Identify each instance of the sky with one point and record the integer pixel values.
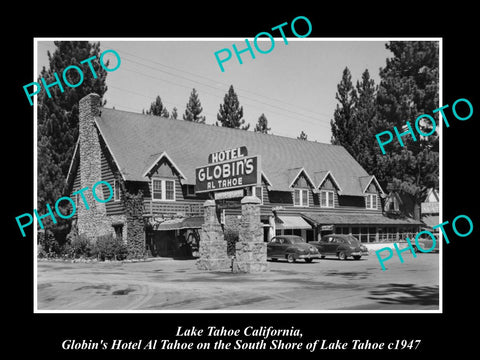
(294, 85)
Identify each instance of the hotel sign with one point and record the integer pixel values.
(236, 172)
(226, 155)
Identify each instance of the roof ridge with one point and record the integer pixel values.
(223, 127)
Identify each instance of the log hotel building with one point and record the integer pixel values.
(307, 188)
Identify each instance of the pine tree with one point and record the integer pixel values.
(194, 109)
(409, 88)
(58, 117)
(156, 107)
(302, 136)
(165, 113)
(262, 125)
(364, 150)
(355, 120)
(174, 113)
(231, 113)
(344, 128)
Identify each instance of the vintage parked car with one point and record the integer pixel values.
(342, 246)
(291, 247)
(424, 241)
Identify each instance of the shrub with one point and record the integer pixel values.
(79, 246)
(48, 244)
(109, 248)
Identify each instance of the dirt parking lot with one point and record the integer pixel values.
(167, 284)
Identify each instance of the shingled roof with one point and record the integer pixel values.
(137, 140)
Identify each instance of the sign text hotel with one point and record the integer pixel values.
(238, 170)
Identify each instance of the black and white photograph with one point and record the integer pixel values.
(202, 180)
(190, 189)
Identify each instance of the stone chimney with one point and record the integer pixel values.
(90, 166)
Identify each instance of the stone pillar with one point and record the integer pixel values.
(213, 247)
(250, 250)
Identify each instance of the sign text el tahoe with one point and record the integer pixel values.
(239, 170)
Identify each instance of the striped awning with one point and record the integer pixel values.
(291, 222)
(194, 222)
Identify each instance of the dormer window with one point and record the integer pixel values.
(300, 197)
(326, 199)
(371, 201)
(163, 190)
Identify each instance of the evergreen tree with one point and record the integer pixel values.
(365, 151)
(58, 117)
(194, 109)
(262, 125)
(156, 107)
(302, 136)
(231, 113)
(355, 120)
(408, 89)
(343, 125)
(165, 113)
(57, 120)
(409, 81)
(174, 113)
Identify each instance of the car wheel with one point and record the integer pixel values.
(322, 256)
(274, 259)
(357, 257)
(290, 258)
(308, 260)
(342, 256)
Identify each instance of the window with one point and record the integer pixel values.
(326, 199)
(300, 197)
(116, 191)
(163, 190)
(169, 190)
(156, 189)
(258, 192)
(190, 190)
(371, 201)
(342, 230)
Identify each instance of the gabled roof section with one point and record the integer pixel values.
(322, 175)
(120, 169)
(298, 172)
(267, 181)
(432, 195)
(162, 156)
(132, 139)
(365, 182)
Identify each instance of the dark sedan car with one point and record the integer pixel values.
(291, 247)
(341, 246)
